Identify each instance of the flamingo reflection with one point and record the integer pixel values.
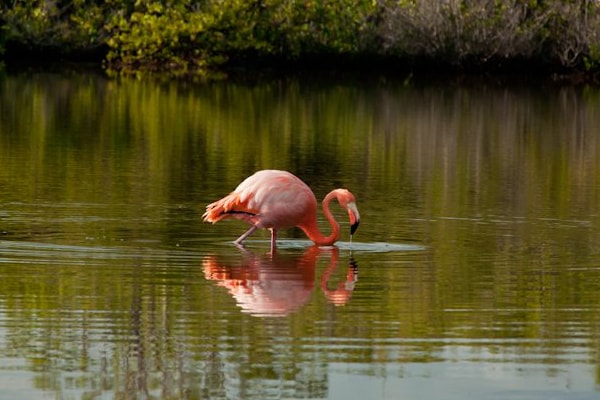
(278, 284)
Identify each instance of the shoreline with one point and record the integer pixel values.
(523, 71)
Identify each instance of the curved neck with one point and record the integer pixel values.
(312, 229)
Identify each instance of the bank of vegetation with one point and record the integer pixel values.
(190, 36)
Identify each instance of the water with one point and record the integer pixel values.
(475, 272)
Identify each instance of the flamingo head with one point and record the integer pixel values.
(348, 201)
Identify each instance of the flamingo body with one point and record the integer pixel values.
(272, 199)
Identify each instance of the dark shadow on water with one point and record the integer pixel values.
(274, 285)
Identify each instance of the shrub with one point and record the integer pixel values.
(573, 30)
(62, 26)
(186, 36)
(191, 36)
(460, 32)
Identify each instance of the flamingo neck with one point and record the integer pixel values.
(312, 230)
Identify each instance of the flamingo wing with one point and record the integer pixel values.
(267, 199)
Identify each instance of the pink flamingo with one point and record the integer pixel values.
(274, 200)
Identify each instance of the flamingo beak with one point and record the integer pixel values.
(354, 217)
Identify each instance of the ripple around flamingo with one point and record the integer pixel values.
(367, 247)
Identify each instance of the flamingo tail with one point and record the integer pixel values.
(230, 206)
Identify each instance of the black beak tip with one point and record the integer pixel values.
(353, 228)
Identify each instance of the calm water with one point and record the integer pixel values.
(475, 272)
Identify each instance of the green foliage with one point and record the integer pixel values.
(2, 40)
(64, 25)
(181, 37)
(327, 26)
(151, 36)
(187, 36)
(2, 34)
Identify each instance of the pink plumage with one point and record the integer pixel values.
(272, 199)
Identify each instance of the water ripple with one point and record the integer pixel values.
(25, 252)
(365, 247)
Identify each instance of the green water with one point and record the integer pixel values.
(475, 272)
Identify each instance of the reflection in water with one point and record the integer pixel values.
(342, 293)
(280, 283)
(100, 187)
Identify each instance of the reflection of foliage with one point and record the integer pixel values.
(228, 131)
(213, 136)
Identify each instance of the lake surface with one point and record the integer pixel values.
(475, 272)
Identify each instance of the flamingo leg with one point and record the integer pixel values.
(245, 235)
(273, 239)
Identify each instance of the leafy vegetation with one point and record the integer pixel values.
(54, 27)
(186, 36)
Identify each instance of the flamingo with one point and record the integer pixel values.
(272, 199)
